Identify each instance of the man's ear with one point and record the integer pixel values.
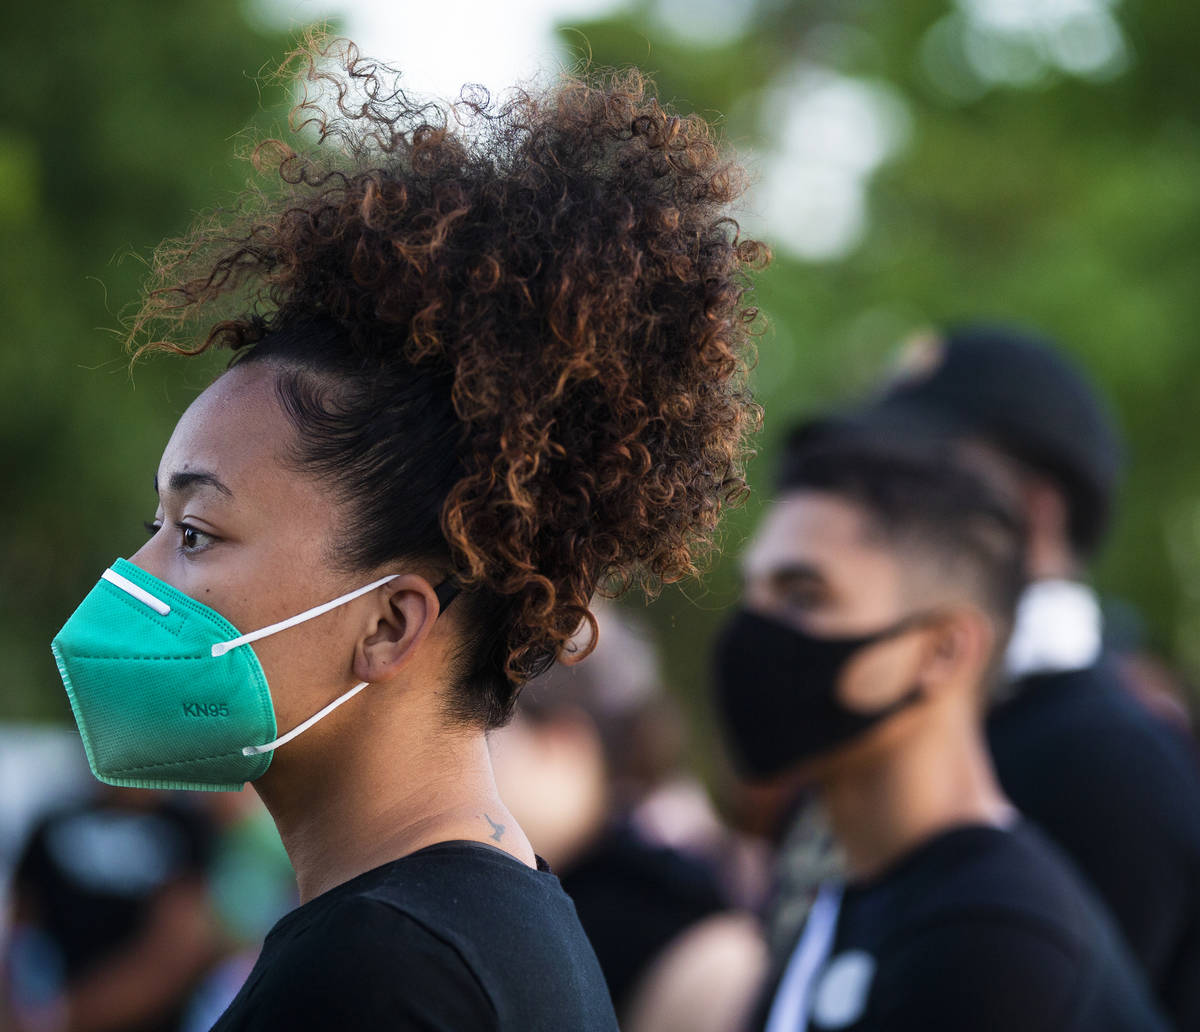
(960, 649)
(405, 611)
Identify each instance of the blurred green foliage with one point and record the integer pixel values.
(1068, 204)
(119, 125)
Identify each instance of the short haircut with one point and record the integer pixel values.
(922, 501)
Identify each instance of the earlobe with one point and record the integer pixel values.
(404, 614)
(943, 660)
(960, 651)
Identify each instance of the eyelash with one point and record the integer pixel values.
(184, 528)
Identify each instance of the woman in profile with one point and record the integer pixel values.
(486, 360)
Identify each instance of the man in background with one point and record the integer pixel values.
(112, 927)
(878, 594)
(1117, 788)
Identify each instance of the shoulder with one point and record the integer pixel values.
(1088, 712)
(482, 900)
(979, 969)
(1105, 753)
(1013, 872)
(360, 963)
(995, 926)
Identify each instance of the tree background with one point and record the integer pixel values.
(1036, 182)
(1028, 160)
(119, 127)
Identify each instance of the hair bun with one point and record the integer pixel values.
(566, 257)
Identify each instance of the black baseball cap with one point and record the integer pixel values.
(1014, 390)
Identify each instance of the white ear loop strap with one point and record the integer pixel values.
(221, 647)
(258, 750)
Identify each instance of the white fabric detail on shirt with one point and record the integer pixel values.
(790, 1008)
(1058, 627)
(841, 995)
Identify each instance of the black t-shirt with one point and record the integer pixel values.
(633, 899)
(978, 930)
(1119, 792)
(458, 936)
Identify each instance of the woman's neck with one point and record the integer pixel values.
(380, 788)
(890, 804)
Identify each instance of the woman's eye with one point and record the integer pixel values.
(152, 527)
(193, 540)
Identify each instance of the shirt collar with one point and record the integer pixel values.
(1057, 628)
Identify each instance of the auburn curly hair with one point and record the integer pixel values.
(514, 336)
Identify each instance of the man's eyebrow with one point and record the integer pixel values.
(796, 571)
(792, 571)
(183, 480)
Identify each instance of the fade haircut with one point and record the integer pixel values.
(925, 504)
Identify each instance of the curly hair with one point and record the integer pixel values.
(514, 335)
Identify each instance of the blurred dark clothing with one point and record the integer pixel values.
(633, 898)
(1119, 792)
(807, 858)
(85, 884)
(978, 928)
(456, 936)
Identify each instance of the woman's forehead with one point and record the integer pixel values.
(235, 431)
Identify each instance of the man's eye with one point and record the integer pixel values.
(803, 598)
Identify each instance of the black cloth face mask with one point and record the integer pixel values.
(776, 691)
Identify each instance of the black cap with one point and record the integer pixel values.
(1019, 393)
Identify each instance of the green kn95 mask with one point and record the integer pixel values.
(166, 692)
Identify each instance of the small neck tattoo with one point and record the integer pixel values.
(497, 829)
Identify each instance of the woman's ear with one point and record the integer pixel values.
(405, 612)
(959, 651)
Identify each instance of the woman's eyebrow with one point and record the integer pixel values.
(184, 480)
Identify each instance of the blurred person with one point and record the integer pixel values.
(1076, 748)
(1158, 686)
(1154, 681)
(112, 924)
(251, 887)
(41, 768)
(485, 360)
(879, 591)
(591, 769)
